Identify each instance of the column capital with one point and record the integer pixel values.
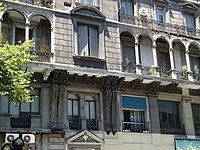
(154, 46)
(171, 49)
(187, 51)
(136, 43)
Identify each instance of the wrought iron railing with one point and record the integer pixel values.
(173, 130)
(92, 124)
(20, 121)
(163, 72)
(74, 123)
(128, 67)
(196, 74)
(147, 70)
(136, 126)
(42, 3)
(42, 56)
(156, 25)
(182, 75)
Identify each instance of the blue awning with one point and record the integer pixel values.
(133, 102)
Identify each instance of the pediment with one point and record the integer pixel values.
(88, 11)
(190, 6)
(85, 137)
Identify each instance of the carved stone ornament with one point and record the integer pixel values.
(84, 137)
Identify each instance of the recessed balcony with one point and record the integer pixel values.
(160, 26)
(42, 3)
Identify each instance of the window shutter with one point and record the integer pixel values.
(69, 107)
(35, 106)
(83, 40)
(122, 7)
(4, 103)
(92, 110)
(75, 108)
(190, 21)
(128, 53)
(129, 8)
(94, 41)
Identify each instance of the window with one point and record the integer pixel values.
(134, 112)
(7, 107)
(164, 60)
(160, 15)
(196, 117)
(88, 40)
(20, 34)
(128, 52)
(73, 111)
(127, 7)
(169, 117)
(91, 2)
(190, 21)
(90, 108)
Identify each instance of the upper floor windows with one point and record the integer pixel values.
(160, 13)
(190, 21)
(91, 2)
(88, 40)
(126, 7)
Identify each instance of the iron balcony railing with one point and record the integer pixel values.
(136, 126)
(74, 123)
(173, 130)
(42, 3)
(20, 121)
(161, 26)
(128, 67)
(42, 56)
(92, 124)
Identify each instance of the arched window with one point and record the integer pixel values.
(73, 111)
(90, 111)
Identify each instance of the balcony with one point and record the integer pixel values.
(173, 131)
(128, 67)
(92, 124)
(42, 3)
(20, 121)
(155, 25)
(74, 123)
(42, 56)
(136, 126)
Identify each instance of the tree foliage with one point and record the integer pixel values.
(14, 77)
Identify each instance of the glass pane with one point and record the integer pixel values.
(87, 109)
(35, 106)
(4, 103)
(92, 110)
(69, 108)
(75, 108)
(14, 110)
(25, 107)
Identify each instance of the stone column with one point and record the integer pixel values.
(27, 31)
(137, 58)
(171, 55)
(155, 59)
(154, 113)
(52, 59)
(82, 112)
(54, 105)
(187, 56)
(186, 115)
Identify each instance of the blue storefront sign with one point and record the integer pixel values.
(186, 143)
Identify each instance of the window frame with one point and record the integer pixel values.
(145, 113)
(19, 106)
(100, 25)
(177, 123)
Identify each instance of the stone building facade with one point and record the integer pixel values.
(110, 74)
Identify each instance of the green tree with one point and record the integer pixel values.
(14, 77)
